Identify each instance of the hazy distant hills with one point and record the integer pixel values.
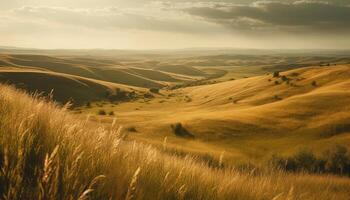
(86, 75)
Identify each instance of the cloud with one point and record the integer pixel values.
(300, 16)
(110, 18)
(175, 23)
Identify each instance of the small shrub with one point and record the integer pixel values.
(102, 112)
(148, 95)
(179, 130)
(276, 82)
(305, 160)
(337, 160)
(334, 161)
(154, 90)
(111, 113)
(188, 99)
(131, 129)
(276, 74)
(277, 97)
(314, 83)
(284, 78)
(88, 105)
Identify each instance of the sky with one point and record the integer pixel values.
(175, 24)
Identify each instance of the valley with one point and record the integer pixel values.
(178, 123)
(231, 104)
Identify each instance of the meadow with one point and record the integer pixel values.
(180, 125)
(46, 153)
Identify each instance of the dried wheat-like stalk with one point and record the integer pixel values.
(181, 192)
(165, 142)
(132, 187)
(221, 158)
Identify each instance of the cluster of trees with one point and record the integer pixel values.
(103, 112)
(120, 95)
(334, 161)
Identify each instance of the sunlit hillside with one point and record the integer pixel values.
(47, 154)
(249, 119)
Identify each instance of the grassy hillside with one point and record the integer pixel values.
(64, 87)
(115, 71)
(47, 154)
(250, 119)
(181, 69)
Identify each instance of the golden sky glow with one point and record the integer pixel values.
(147, 24)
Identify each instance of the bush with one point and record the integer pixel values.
(111, 113)
(334, 161)
(337, 160)
(148, 95)
(179, 130)
(304, 160)
(120, 95)
(88, 105)
(102, 112)
(277, 97)
(284, 78)
(314, 83)
(131, 129)
(154, 90)
(276, 74)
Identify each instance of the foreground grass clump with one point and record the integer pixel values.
(46, 154)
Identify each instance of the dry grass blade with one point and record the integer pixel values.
(85, 194)
(45, 153)
(132, 187)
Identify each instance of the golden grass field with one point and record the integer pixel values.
(249, 119)
(118, 140)
(47, 154)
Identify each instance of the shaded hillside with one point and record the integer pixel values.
(51, 64)
(181, 69)
(252, 117)
(124, 77)
(96, 68)
(154, 75)
(66, 87)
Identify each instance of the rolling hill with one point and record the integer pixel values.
(251, 118)
(114, 71)
(82, 79)
(181, 69)
(214, 140)
(47, 153)
(65, 87)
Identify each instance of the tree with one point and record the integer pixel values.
(276, 74)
